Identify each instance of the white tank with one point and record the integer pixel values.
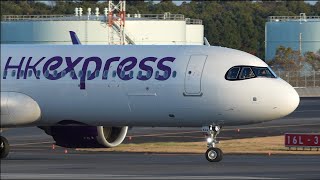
(194, 33)
(146, 29)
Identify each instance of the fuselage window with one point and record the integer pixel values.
(72, 73)
(55, 73)
(114, 73)
(157, 74)
(246, 73)
(139, 74)
(233, 73)
(29, 73)
(149, 74)
(38, 73)
(122, 74)
(80, 73)
(5, 73)
(88, 74)
(13, 73)
(63, 73)
(21, 73)
(46, 73)
(131, 74)
(105, 74)
(97, 73)
(166, 74)
(174, 74)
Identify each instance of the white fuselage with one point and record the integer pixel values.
(188, 88)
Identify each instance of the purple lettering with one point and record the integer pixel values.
(146, 68)
(71, 65)
(122, 69)
(164, 68)
(107, 66)
(97, 62)
(32, 67)
(53, 64)
(8, 66)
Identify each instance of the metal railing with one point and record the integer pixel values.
(193, 21)
(301, 79)
(128, 38)
(293, 18)
(41, 17)
(165, 16)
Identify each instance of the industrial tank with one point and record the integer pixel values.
(301, 33)
(194, 31)
(146, 29)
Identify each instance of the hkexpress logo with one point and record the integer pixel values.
(124, 68)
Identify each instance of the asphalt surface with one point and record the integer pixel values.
(48, 165)
(32, 156)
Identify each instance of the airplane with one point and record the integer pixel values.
(88, 95)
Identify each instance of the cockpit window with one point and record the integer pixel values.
(233, 73)
(262, 72)
(248, 72)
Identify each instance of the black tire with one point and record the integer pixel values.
(214, 154)
(4, 145)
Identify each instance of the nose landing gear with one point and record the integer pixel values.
(213, 154)
(4, 147)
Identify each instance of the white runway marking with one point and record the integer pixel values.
(280, 126)
(162, 134)
(33, 143)
(102, 176)
(316, 110)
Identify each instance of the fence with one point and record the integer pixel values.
(301, 79)
(165, 16)
(292, 18)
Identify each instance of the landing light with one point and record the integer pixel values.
(209, 140)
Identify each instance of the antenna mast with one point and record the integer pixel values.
(117, 22)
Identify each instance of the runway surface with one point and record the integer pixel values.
(32, 156)
(49, 165)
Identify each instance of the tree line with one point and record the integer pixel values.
(235, 24)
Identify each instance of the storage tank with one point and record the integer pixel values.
(52, 32)
(143, 29)
(194, 32)
(301, 33)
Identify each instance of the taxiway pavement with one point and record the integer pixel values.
(48, 165)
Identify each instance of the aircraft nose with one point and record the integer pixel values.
(290, 99)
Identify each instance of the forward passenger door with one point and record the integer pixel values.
(193, 75)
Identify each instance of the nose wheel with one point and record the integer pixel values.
(213, 154)
(4, 147)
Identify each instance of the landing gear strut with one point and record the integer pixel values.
(213, 154)
(4, 147)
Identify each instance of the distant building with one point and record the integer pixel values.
(301, 33)
(143, 29)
